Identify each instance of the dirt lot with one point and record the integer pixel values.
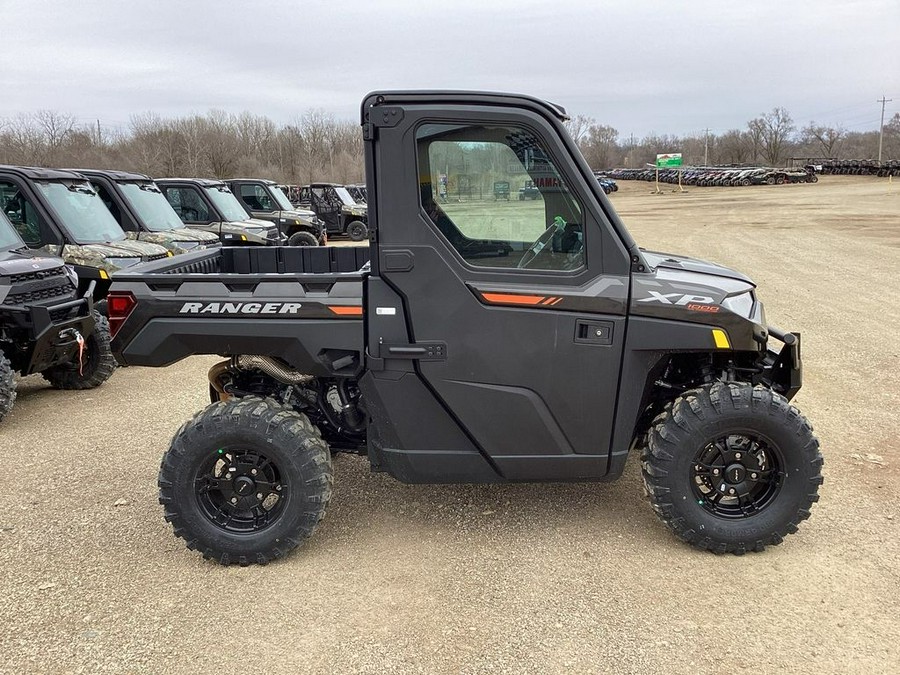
(525, 578)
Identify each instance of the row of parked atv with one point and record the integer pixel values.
(64, 233)
(859, 167)
(718, 176)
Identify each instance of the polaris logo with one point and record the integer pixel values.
(240, 308)
(670, 299)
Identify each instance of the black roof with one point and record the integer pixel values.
(255, 180)
(202, 182)
(41, 173)
(114, 175)
(460, 97)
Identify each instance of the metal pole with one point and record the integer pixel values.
(882, 101)
(706, 150)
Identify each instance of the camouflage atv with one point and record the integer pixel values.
(140, 208)
(265, 200)
(46, 326)
(59, 213)
(210, 206)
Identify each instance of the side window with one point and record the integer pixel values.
(108, 201)
(256, 198)
(23, 215)
(188, 204)
(497, 197)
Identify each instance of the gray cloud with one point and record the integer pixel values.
(641, 65)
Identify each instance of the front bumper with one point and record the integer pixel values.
(784, 369)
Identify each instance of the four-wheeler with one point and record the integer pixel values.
(59, 213)
(501, 190)
(334, 205)
(141, 210)
(540, 347)
(209, 205)
(529, 191)
(264, 200)
(46, 325)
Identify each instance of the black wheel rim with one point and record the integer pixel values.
(737, 475)
(240, 490)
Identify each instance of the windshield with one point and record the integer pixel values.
(344, 196)
(81, 211)
(227, 203)
(280, 198)
(9, 238)
(152, 207)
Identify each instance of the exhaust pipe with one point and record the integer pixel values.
(266, 364)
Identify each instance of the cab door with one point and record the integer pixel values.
(514, 311)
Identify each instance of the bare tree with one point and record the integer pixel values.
(579, 126)
(828, 139)
(777, 127)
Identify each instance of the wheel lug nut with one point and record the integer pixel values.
(259, 496)
(234, 500)
(253, 472)
(731, 491)
(737, 455)
(715, 472)
(278, 488)
(753, 476)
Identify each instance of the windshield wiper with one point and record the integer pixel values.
(149, 187)
(80, 188)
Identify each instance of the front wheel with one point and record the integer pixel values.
(7, 386)
(97, 362)
(357, 230)
(245, 481)
(731, 468)
(303, 239)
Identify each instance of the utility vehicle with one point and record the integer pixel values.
(337, 209)
(472, 342)
(46, 326)
(59, 213)
(209, 205)
(264, 200)
(140, 208)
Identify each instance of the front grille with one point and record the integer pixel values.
(157, 256)
(63, 290)
(36, 276)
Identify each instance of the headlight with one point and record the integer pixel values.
(741, 304)
(187, 245)
(123, 262)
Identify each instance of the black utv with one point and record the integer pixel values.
(46, 326)
(264, 200)
(482, 343)
(337, 209)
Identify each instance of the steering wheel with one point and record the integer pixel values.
(558, 225)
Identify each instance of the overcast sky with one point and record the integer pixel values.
(667, 66)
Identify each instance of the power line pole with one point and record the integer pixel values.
(882, 101)
(706, 149)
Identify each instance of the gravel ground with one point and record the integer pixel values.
(525, 578)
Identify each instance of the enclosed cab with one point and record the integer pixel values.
(140, 208)
(210, 206)
(59, 213)
(265, 200)
(334, 205)
(46, 325)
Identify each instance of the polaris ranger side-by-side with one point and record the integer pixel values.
(483, 342)
(209, 205)
(46, 326)
(144, 213)
(337, 209)
(58, 213)
(264, 200)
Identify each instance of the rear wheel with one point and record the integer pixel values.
(7, 387)
(97, 363)
(357, 230)
(303, 239)
(731, 468)
(245, 481)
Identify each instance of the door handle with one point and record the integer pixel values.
(593, 332)
(422, 351)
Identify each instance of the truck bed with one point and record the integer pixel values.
(214, 302)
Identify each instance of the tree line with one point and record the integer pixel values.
(319, 147)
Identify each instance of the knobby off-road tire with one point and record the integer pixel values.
(245, 481)
(7, 387)
(357, 230)
(303, 239)
(99, 362)
(731, 439)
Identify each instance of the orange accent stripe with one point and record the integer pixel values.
(548, 301)
(558, 300)
(346, 310)
(510, 299)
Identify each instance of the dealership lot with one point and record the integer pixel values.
(491, 578)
